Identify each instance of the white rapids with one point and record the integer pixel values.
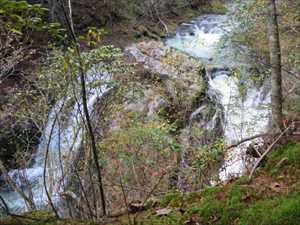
(244, 116)
(63, 139)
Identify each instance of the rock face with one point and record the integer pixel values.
(172, 88)
(184, 81)
(181, 75)
(168, 88)
(168, 64)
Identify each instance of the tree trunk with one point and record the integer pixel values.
(86, 113)
(275, 61)
(70, 15)
(52, 10)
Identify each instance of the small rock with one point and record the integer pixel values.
(163, 211)
(136, 206)
(155, 105)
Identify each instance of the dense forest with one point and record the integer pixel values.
(143, 112)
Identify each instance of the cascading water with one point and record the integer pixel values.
(63, 140)
(246, 114)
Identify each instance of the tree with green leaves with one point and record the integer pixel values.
(22, 26)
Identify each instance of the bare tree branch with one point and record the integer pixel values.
(125, 201)
(45, 169)
(245, 140)
(270, 148)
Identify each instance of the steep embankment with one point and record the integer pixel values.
(271, 197)
(184, 91)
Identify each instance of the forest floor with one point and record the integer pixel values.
(271, 197)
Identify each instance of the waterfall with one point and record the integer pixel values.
(63, 138)
(245, 114)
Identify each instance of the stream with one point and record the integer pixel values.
(63, 139)
(244, 116)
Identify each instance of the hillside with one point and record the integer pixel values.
(180, 112)
(272, 196)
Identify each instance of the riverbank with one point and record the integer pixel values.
(123, 33)
(271, 197)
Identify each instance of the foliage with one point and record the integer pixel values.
(58, 81)
(17, 15)
(140, 132)
(60, 73)
(115, 10)
(24, 31)
(203, 164)
(93, 36)
(137, 14)
(241, 201)
(217, 6)
(20, 20)
(58, 78)
(140, 154)
(207, 156)
(250, 23)
(20, 17)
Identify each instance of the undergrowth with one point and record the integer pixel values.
(272, 197)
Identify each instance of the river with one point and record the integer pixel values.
(246, 114)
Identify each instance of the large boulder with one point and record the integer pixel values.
(185, 83)
(181, 74)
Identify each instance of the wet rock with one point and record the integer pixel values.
(206, 124)
(184, 82)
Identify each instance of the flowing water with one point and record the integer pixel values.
(63, 139)
(245, 115)
(245, 106)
